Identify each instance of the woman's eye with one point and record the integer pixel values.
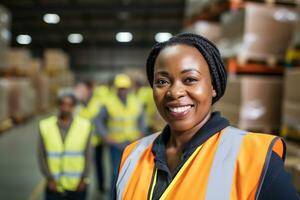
(190, 80)
(161, 82)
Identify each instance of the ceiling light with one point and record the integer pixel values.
(162, 37)
(124, 37)
(24, 39)
(75, 38)
(51, 18)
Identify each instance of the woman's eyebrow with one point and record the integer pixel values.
(189, 70)
(163, 73)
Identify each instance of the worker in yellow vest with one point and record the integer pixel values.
(121, 120)
(144, 93)
(90, 104)
(198, 155)
(64, 152)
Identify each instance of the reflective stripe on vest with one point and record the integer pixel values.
(226, 150)
(123, 119)
(131, 162)
(65, 159)
(224, 161)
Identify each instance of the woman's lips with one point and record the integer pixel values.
(179, 112)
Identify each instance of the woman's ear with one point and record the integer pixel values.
(214, 93)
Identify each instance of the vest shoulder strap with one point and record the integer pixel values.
(223, 166)
(44, 123)
(129, 164)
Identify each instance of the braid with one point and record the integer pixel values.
(208, 50)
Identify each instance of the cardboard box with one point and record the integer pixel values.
(252, 102)
(291, 87)
(4, 92)
(34, 67)
(22, 98)
(261, 103)
(291, 114)
(41, 85)
(210, 30)
(236, 21)
(230, 111)
(56, 61)
(18, 58)
(233, 91)
(268, 31)
(3, 59)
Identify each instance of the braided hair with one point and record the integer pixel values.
(208, 50)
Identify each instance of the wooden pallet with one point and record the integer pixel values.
(12, 72)
(235, 66)
(5, 125)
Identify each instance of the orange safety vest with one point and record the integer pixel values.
(232, 164)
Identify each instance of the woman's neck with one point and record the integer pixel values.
(179, 138)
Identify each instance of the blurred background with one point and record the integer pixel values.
(47, 47)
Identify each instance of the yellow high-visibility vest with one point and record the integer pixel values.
(66, 159)
(145, 96)
(89, 112)
(91, 109)
(101, 92)
(123, 119)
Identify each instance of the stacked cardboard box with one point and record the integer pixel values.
(232, 28)
(268, 31)
(291, 104)
(208, 29)
(261, 103)
(56, 61)
(4, 92)
(230, 103)
(4, 35)
(22, 98)
(40, 83)
(18, 59)
(252, 102)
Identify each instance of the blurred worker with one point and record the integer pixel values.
(121, 120)
(64, 152)
(101, 92)
(144, 93)
(90, 104)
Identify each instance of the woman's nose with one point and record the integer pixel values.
(176, 91)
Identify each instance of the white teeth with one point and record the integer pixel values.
(179, 109)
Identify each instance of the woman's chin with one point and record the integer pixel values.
(180, 126)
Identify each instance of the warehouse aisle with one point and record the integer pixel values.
(18, 163)
(20, 178)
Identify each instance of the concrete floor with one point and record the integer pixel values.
(20, 178)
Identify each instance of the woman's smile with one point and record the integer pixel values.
(177, 111)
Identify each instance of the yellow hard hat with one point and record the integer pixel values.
(122, 81)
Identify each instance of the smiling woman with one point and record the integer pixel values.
(198, 155)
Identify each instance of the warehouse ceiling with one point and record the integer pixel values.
(97, 20)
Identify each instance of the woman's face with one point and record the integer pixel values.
(182, 87)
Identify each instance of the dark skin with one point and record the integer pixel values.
(183, 95)
(66, 108)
